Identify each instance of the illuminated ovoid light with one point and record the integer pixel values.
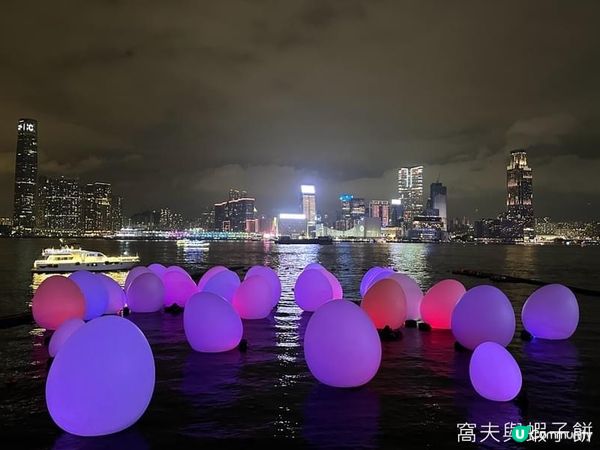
(62, 333)
(223, 283)
(314, 266)
(483, 314)
(439, 302)
(102, 379)
(292, 216)
(307, 189)
(494, 373)
(385, 303)
(116, 295)
(146, 294)
(208, 275)
(56, 300)
(368, 277)
(157, 269)
(177, 269)
(551, 312)
(211, 324)
(270, 277)
(336, 288)
(341, 345)
(312, 289)
(253, 298)
(179, 286)
(133, 273)
(94, 292)
(412, 291)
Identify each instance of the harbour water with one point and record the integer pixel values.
(416, 400)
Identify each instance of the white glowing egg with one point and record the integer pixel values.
(133, 274)
(116, 295)
(60, 336)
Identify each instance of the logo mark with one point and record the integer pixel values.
(520, 433)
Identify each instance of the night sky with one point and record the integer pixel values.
(176, 101)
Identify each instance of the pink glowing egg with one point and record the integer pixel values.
(60, 336)
(368, 277)
(57, 299)
(179, 286)
(211, 324)
(385, 303)
(133, 274)
(253, 299)
(116, 295)
(312, 289)
(102, 379)
(270, 277)
(94, 292)
(341, 345)
(412, 291)
(222, 282)
(146, 294)
(494, 373)
(157, 269)
(551, 312)
(439, 302)
(483, 314)
(336, 287)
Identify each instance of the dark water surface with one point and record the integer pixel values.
(417, 398)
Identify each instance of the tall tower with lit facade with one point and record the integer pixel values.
(309, 206)
(410, 190)
(26, 172)
(519, 188)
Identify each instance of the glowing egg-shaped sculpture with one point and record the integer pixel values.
(312, 289)
(57, 299)
(314, 266)
(336, 287)
(551, 312)
(116, 295)
(94, 292)
(494, 373)
(146, 294)
(211, 324)
(177, 269)
(253, 299)
(385, 303)
(341, 345)
(62, 333)
(412, 291)
(368, 277)
(270, 277)
(102, 379)
(179, 286)
(483, 314)
(208, 275)
(133, 274)
(439, 302)
(157, 269)
(223, 283)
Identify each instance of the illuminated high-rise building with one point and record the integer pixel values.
(309, 207)
(410, 190)
(59, 205)
(236, 214)
(519, 188)
(97, 207)
(26, 172)
(436, 204)
(380, 209)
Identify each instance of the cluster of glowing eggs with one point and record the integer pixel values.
(133, 274)
(157, 269)
(341, 345)
(313, 289)
(211, 324)
(116, 295)
(102, 379)
(385, 303)
(412, 291)
(221, 281)
(56, 300)
(439, 302)
(146, 293)
(270, 276)
(253, 299)
(94, 292)
(483, 314)
(178, 286)
(62, 333)
(551, 312)
(368, 277)
(494, 373)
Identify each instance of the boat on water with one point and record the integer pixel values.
(69, 258)
(192, 243)
(321, 240)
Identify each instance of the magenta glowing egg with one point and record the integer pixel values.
(341, 345)
(385, 303)
(368, 277)
(483, 314)
(253, 299)
(312, 289)
(439, 302)
(57, 299)
(551, 312)
(94, 292)
(157, 269)
(62, 333)
(211, 324)
(270, 277)
(494, 373)
(179, 286)
(146, 294)
(412, 291)
(133, 274)
(102, 379)
(116, 295)
(336, 287)
(176, 269)
(222, 282)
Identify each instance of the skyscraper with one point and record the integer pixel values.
(436, 205)
(97, 207)
(309, 207)
(410, 190)
(380, 209)
(59, 206)
(519, 188)
(236, 214)
(26, 171)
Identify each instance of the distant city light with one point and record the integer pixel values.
(346, 197)
(396, 201)
(307, 189)
(292, 216)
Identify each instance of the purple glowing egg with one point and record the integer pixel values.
(146, 294)
(179, 286)
(55, 300)
(314, 266)
(439, 302)
(336, 287)
(341, 345)
(60, 336)
(367, 279)
(412, 291)
(133, 274)
(551, 312)
(116, 295)
(208, 275)
(494, 373)
(224, 283)
(312, 289)
(270, 277)
(157, 269)
(102, 379)
(253, 299)
(177, 269)
(211, 324)
(483, 314)
(94, 292)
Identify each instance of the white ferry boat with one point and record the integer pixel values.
(192, 243)
(70, 259)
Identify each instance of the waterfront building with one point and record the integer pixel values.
(396, 213)
(437, 203)
(237, 214)
(309, 207)
(26, 173)
(380, 209)
(410, 190)
(291, 224)
(60, 206)
(97, 207)
(519, 188)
